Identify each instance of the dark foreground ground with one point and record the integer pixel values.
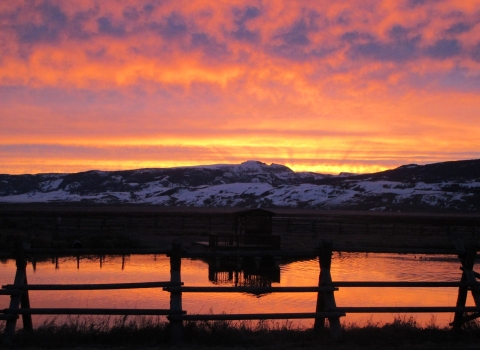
(400, 334)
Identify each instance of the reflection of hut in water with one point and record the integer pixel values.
(248, 274)
(253, 229)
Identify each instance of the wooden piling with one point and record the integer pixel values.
(326, 299)
(467, 258)
(462, 291)
(176, 325)
(18, 300)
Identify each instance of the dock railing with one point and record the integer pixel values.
(326, 307)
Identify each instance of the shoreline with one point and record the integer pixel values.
(110, 227)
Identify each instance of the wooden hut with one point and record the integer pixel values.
(253, 222)
(253, 229)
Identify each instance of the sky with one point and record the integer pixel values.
(324, 86)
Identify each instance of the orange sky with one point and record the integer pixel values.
(327, 87)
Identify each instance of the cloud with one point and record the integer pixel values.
(283, 80)
(476, 52)
(299, 41)
(398, 32)
(399, 50)
(131, 13)
(172, 27)
(106, 26)
(297, 34)
(444, 48)
(209, 46)
(459, 28)
(48, 29)
(241, 18)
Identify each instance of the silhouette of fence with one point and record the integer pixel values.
(326, 307)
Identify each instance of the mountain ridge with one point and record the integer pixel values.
(452, 186)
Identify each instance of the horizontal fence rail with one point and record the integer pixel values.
(406, 309)
(404, 284)
(326, 307)
(259, 290)
(269, 316)
(91, 311)
(134, 285)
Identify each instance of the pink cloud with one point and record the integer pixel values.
(312, 79)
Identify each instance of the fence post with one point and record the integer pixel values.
(320, 321)
(326, 300)
(176, 325)
(21, 299)
(467, 258)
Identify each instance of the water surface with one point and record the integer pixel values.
(149, 268)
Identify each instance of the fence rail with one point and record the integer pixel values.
(91, 311)
(326, 307)
(134, 285)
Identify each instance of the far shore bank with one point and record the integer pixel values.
(58, 225)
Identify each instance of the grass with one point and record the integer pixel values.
(149, 332)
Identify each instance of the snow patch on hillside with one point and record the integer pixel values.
(50, 185)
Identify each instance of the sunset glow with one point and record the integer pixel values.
(317, 86)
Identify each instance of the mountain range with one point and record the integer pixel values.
(441, 187)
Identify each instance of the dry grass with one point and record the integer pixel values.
(152, 332)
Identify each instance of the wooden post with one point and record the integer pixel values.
(20, 300)
(21, 262)
(326, 300)
(467, 258)
(176, 326)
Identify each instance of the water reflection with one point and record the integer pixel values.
(247, 272)
(149, 268)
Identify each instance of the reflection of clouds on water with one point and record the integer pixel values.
(395, 267)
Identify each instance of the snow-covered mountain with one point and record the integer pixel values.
(448, 186)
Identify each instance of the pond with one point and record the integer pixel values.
(150, 268)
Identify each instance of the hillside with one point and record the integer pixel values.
(448, 186)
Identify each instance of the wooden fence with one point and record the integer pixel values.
(326, 307)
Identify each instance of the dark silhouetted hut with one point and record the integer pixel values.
(254, 222)
(253, 230)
